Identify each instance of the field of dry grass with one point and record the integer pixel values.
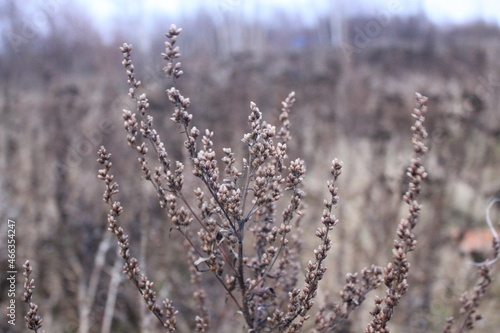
(62, 96)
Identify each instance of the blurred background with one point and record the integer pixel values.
(354, 65)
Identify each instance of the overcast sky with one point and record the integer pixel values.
(445, 11)
(134, 13)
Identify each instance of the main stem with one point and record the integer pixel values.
(241, 276)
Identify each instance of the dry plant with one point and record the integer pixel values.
(470, 304)
(33, 320)
(243, 226)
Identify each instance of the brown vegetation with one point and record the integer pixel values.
(58, 108)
